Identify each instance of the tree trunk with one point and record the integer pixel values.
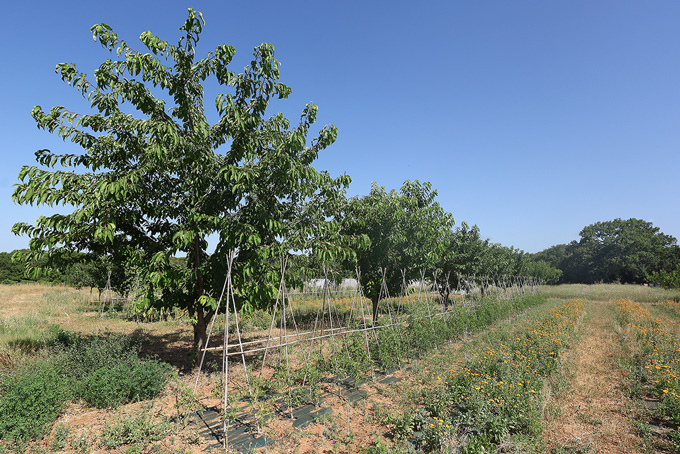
(199, 329)
(375, 301)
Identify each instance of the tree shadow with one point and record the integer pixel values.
(176, 349)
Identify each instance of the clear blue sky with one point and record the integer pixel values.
(533, 119)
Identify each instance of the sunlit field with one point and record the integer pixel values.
(475, 378)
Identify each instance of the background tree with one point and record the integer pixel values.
(465, 254)
(627, 251)
(667, 279)
(98, 272)
(468, 254)
(407, 231)
(156, 179)
(11, 272)
(544, 271)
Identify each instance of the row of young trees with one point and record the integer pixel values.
(153, 179)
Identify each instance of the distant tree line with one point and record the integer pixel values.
(629, 251)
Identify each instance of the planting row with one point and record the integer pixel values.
(385, 346)
(495, 396)
(655, 370)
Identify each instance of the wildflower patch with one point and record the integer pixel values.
(497, 394)
(658, 367)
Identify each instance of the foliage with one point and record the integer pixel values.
(667, 279)
(544, 271)
(146, 188)
(12, 272)
(104, 371)
(98, 272)
(30, 399)
(626, 251)
(467, 254)
(406, 229)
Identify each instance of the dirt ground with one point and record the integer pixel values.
(593, 414)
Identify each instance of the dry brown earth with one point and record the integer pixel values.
(593, 413)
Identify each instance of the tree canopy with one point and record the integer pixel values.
(468, 254)
(154, 178)
(627, 251)
(407, 230)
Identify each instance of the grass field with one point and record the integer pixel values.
(589, 369)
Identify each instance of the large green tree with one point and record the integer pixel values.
(153, 178)
(407, 230)
(627, 251)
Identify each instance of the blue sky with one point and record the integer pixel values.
(533, 119)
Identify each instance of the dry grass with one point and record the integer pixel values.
(611, 292)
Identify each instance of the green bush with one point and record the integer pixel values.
(107, 371)
(30, 399)
(130, 381)
(86, 355)
(104, 371)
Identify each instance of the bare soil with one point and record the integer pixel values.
(593, 413)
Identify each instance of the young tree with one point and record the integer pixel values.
(406, 229)
(153, 185)
(544, 271)
(465, 253)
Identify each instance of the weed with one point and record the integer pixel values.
(61, 433)
(30, 399)
(81, 443)
(137, 431)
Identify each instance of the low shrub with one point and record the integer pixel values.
(130, 381)
(139, 430)
(104, 371)
(30, 399)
